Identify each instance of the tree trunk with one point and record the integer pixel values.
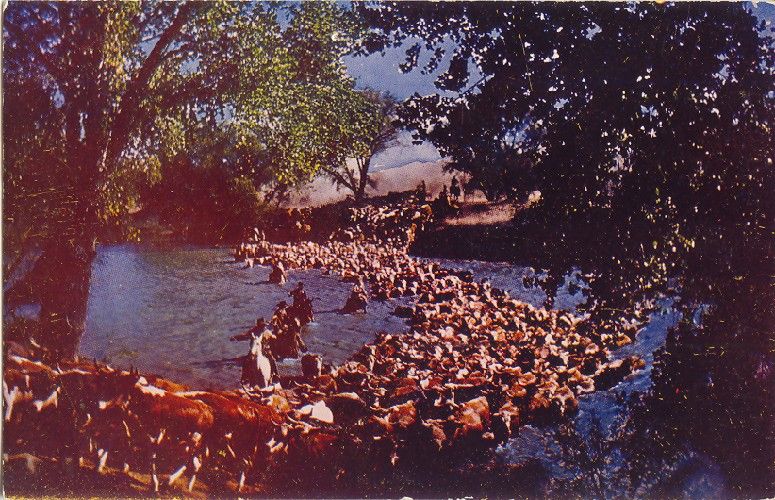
(62, 282)
(58, 282)
(363, 180)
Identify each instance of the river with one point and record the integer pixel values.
(172, 311)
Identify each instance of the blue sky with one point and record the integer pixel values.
(381, 72)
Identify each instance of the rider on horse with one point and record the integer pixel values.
(278, 273)
(287, 342)
(258, 366)
(454, 189)
(302, 305)
(357, 300)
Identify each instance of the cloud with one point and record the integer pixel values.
(403, 153)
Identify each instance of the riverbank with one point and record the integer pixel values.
(463, 225)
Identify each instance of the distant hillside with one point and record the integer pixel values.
(403, 178)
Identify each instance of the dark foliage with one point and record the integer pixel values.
(648, 131)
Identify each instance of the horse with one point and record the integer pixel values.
(257, 367)
(357, 301)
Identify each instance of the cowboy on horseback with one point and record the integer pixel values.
(278, 273)
(258, 366)
(302, 305)
(357, 300)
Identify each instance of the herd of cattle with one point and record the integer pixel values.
(473, 366)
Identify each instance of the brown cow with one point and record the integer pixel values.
(241, 428)
(472, 418)
(171, 426)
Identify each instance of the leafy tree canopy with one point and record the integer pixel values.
(365, 127)
(312, 118)
(102, 98)
(625, 117)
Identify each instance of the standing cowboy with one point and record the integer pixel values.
(422, 192)
(454, 188)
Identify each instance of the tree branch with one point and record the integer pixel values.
(129, 107)
(339, 178)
